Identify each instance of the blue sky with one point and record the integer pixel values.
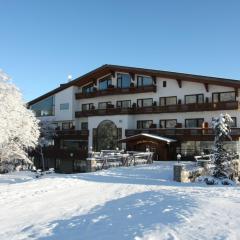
(43, 41)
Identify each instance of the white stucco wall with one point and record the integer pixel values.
(65, 96)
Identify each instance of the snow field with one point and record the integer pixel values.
(139, 202)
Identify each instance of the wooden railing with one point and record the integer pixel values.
(160, 109)
(72, 132)
(179, 132)
(115, 91)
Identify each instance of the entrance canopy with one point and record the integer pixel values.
(148, 136)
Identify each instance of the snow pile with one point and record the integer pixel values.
(123, 203)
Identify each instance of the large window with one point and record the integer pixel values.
(88, 88)
(196, 98)
(67, 125)
(44, 107)
(123, 80)
(224, 97)
(64, 106)
(144, 81)
(166, 101)
(168, 123)
(124, 104)
(103, 105)
(194, 123)
(144, 123)
(87, 106)
(105, 82)
(147, 102)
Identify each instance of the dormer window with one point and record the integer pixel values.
(105, 82)
(144, 81)
(123, 80)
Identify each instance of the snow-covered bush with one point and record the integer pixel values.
(19, 128)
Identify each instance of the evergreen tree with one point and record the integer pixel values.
(221, 158)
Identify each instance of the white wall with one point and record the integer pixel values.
(65, 96)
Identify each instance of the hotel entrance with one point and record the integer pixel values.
(163, 148)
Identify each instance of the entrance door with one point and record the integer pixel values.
(160, 150)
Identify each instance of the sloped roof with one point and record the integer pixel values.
(108, 69)
(152, 136)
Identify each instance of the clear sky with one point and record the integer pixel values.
(43, 41)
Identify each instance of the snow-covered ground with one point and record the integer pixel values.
(123, 203)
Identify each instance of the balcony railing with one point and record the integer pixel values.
(194, 134)
(160, 109)
(72, 133)
(115, 91)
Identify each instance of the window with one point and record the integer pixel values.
(67, 125)
(196, 98)
(123, 80)
(103, 105)
(166, 101)
(224, 97)
(169, 123)
(87, 106)
(105, 82)
(144, 123)
(164, 83)
(144, 81)
(88, 88)
(45, 107)
(84, 125)
(64, 106)
(124, 104)
(194, 123)
(234, 123)
(145, 102)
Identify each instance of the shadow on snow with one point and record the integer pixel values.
(125, 218)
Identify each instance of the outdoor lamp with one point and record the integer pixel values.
(179, 157)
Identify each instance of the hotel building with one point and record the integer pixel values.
(134, 109)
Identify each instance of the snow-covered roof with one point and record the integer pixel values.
(160, 138)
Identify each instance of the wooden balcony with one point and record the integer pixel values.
(183, 134)
(72, 134)
(116, 91)
(160, 109)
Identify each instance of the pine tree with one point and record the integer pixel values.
(221, 158)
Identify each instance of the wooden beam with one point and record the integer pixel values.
(206, 87)
(179, 81)
(236, 91)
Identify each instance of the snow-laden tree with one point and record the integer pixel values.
(19, 131)
(222, 169)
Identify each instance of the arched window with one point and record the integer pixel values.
(106, 135)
